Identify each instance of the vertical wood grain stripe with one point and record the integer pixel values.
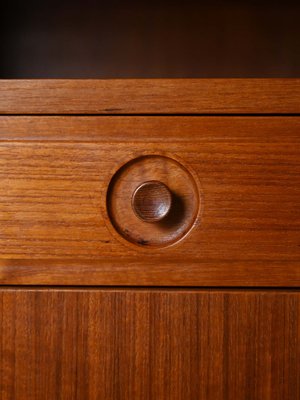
(150, 345)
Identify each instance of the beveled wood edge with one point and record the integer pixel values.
(150, 96)
(160, 273)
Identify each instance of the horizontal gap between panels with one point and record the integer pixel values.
(151, 288)
(155, 115)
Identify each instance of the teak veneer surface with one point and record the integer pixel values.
(55, 172)
(152, 345)
(150, 96)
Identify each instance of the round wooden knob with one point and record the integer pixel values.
(151, 201)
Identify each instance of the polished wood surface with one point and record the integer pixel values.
(149, 344)
(150, 96)
(149, 129)
(55, 172)
(68, 217)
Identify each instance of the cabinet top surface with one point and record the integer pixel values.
(150, 96)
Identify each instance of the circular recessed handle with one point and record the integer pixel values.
(151, 201)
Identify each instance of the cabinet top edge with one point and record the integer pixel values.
(150, 96)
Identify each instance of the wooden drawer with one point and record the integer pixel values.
(56, 227)
(149, 344)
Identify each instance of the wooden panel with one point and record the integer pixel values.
(160, 345)
(152, 96)
(54, 227)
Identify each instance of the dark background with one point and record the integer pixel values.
(93, 39)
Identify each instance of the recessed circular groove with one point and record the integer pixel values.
(153, 201)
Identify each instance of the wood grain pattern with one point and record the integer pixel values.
(53, 182)
(151, 345)
(150, 96)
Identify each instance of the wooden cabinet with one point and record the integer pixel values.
(99, 298)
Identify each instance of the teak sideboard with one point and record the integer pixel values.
(150, 239)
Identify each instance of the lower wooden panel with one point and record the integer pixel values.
(75, 344)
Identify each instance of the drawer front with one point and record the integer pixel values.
(67, 209)
(149, 344)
